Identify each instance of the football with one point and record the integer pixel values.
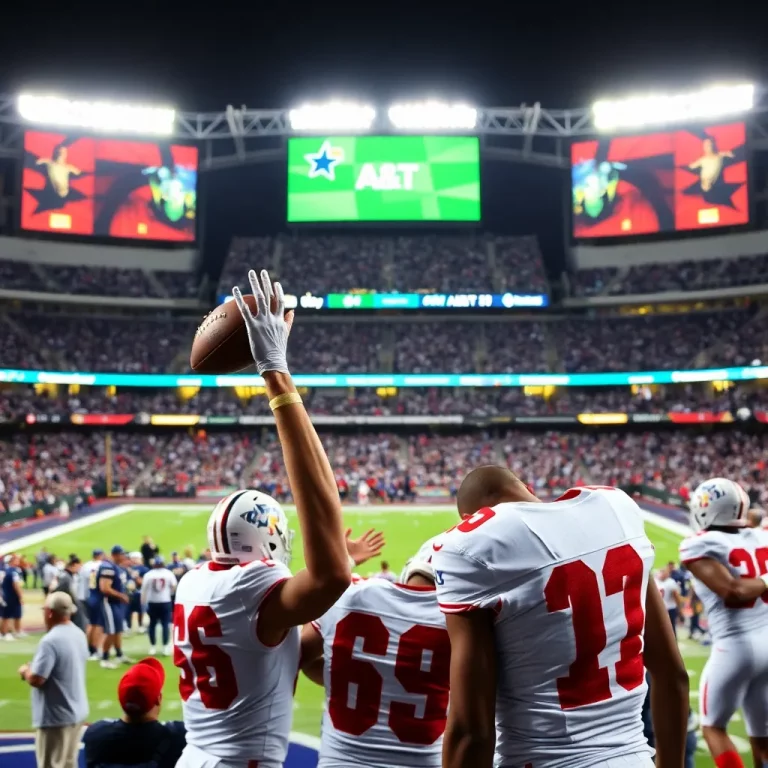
(221, 342)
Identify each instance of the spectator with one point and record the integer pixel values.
(57, 677)
(137, 738)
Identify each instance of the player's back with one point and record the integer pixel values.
(237, 694)
(567, 581)
(386, 673)
(744, 552)
(157, 586)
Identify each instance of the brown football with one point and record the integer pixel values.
(221, 342)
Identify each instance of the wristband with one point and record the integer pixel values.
(289, 398)
(764, 577)
(353, 564)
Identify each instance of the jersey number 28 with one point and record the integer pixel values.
(574, 585)
(432, 683)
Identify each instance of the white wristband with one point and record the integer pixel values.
(764, 577)
(353, 565)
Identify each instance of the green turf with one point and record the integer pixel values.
(175, 527)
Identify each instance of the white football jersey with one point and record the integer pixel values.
(386, 672)
(669, 588)
(744, 553)
(237, 694)
(84, 582)
(157, 586)
(562, 576)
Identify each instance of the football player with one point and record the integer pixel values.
(236, 619)
(109, 599)
(729, 565)
(157, 590)
(387, 662)
(551, 611)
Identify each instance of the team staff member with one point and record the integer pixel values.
(57, 677)
(157, 592)
(68, 582)
(137, 738)
(12, 599)
(149, 551)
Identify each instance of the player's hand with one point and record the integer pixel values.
(125, 598)
(269, 327)
(23, 669)
(367, 546)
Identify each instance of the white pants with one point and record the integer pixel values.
(192, 757)
(736, 675)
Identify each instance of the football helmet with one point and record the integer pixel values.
(420, 563)
(718, 501)
(247, 526)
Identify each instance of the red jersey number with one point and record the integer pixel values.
(575, 585)
(751, 567)
(205, 658)
(358, 717)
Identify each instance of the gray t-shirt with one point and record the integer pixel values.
(60, 658)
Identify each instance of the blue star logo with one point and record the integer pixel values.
(323, 162)
(259, 516)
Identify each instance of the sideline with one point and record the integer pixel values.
(73, 525)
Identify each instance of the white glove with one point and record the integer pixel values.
(268, 329)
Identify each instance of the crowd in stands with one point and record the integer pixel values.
(97, 280)
(677, 276)
(403, 345)
(18, 402)
(323, 264)
(393, 467)
(95, 343)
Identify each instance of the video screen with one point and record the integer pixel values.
(663, 182)
(384, 178)
(73, 185)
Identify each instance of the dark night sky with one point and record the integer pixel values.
(250, 53)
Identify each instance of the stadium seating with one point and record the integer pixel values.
(412, 264)
(33, 466)
(679, 276)
(97, 281)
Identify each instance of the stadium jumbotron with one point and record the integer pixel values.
(430, 338)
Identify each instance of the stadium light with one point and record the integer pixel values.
(108, 116)
(333, 116)
(660, 109)
(432, 116)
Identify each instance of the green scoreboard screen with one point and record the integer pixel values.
(384, 178)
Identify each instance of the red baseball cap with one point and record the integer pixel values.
(140, 687)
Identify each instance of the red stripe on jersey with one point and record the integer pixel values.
(571, 493)
(314, 626)
(704, 699)
(456, 607)
(224, 518)
(221, 566)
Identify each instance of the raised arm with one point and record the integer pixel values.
(669, 682)
(310, 592)
(734, 591)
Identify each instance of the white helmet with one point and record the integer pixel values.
(420, 564)
(248, 526)
(719, 501)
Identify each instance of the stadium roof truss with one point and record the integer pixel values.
(239, 135)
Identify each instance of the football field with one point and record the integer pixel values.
(175, 527)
